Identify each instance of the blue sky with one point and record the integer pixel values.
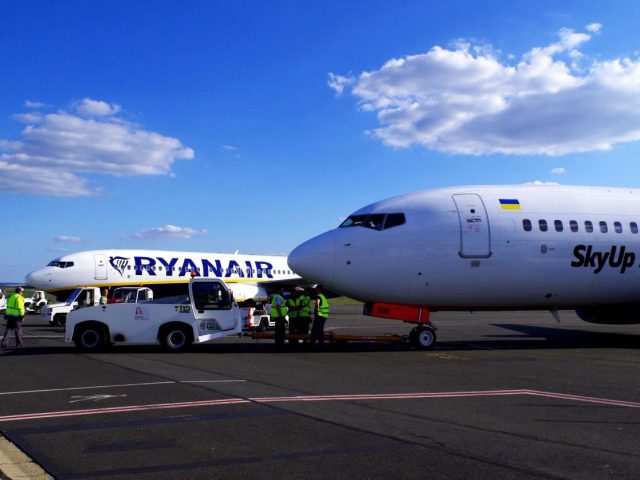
(252, 126)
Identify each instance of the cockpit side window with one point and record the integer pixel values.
(59, 264)
(375, 221)
(394, 220)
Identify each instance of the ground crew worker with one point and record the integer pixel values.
(278, 313)
(304, 314)
(14, 314)
(103, 298)
(320, 315)
(293, 306)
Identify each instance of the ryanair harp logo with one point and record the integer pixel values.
(119, 263)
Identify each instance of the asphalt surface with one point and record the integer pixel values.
(503, 395)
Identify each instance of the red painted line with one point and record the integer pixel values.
(316, 398)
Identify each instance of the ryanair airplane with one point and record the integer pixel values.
(486, 248)
(165, 272)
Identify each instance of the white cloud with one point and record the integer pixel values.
(96, 108)
(67, 238)
(466, 100)
(558, 170)
(593, 27)
(34, 104)
(56, 149)
(540, 183)
(338, 83)
(167, 232)
(231, 148)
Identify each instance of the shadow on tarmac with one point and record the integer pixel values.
(523, 337)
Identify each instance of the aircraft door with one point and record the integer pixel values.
(475, 241)
(101, 267)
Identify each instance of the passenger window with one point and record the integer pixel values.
(558, 225)
(618, 227)
(634, 227)
(393, 220)
(526, 224)
(603, 227)
(542, 224)
(588, 226)
(573, 225)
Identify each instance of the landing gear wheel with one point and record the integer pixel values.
(423, 338)
(91, 338)
(264, 324)
(176, 339)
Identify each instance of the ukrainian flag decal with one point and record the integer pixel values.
(510, 204)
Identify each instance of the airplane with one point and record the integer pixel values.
(522, 247)
(165, 272)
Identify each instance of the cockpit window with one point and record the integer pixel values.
(394, 220)
(375, 221)
(354, 221)
(59, 264)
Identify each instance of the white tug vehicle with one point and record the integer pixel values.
(208, 312)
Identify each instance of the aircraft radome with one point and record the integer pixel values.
(166, 272)
(544, 247)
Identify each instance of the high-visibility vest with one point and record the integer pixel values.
(15, 305)
(274, 310)
(293, 302)
(305, 302)
(323, 309)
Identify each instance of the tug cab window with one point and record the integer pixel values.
(375, 221)
(210, 296)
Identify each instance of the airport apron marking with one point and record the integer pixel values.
(317, 398)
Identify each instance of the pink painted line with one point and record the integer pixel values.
(581, 398)
(315, 398)
(384, 396)
(129, 408)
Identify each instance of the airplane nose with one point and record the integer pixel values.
(315, 259)
(37, 279)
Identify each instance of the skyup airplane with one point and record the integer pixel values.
(485, 248)
(165, 272)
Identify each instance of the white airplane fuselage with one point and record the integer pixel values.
(486, 247)
(161, 270)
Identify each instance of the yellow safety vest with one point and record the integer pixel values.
(274, 310)
(15, 305)
(293, 302)
(305, 301)
(323, 309)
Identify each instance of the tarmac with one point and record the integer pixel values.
(502, 396)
